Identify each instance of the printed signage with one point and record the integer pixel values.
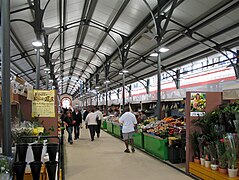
(198, 104)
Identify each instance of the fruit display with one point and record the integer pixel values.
(164, 128)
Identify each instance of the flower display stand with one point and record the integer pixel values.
(206, 173)
(43, 175)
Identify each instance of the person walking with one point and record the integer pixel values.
(91, 121)
(68, 121)
(100, 119)
(77, 119)
(85, 113)
(129, 123)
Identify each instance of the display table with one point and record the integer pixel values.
(104, 124)
(43, 176)
(109, 127)
(116, 129)
(138, 140)
(206, 173)
(156, 146)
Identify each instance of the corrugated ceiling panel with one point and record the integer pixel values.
(132, 16)
(74, 10)
(106, 10)
(51, 15)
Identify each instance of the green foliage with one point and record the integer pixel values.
(222, 156)
(194, 143)
(4, 164)
(207, 123)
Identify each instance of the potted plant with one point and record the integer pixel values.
(222, 156)
(201, 142)
(5, 167)
(207, 156)
(229, 141)
(195, 146)
(214, 156)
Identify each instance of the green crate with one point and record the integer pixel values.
(138, 140)
(109, 127)
(104, 125)
(156, 146)
(116, 130)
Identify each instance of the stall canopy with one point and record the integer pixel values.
(83, 38)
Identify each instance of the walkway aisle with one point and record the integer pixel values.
(104, 159)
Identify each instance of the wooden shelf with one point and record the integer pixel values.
(206, 173)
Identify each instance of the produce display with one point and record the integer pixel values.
(164, 128)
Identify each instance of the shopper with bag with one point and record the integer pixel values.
(100, 119)
(91, 121)
(129, 123)
(68, 121)
(77, 120)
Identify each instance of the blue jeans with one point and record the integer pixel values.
(69, 130)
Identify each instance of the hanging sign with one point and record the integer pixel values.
(43, 104)
(198, 104)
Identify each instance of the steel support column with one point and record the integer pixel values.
(5, 57)
(47, 80)
(97, 99)
(106, 99)
(158, 111)
(37, 68)
(123, 92)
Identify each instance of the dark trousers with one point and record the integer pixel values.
(77, 131)
(92, 129)
(98, 127)
(69, 130)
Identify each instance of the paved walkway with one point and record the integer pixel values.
(104, 159)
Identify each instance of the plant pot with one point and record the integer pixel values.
(51, 169)
(207, 164)
(22, 151)
(232, 173)
(196, 160)
(222, 170)
(36, 169)
(19, 169)
(37, 151)
(52, 150)
(214, 167)
(202, 160)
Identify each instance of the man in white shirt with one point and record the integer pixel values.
(129, 123)
(100, 119)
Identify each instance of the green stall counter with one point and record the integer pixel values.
(104, 124)
(109, 127)
(156, 146)
(116, 129)
(138, 140)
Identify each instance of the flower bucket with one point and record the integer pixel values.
(214, 167)
(19, 170)
(22, 151)
(37, 151)
(51, 169)
(222, 170)
(232, 173)
(202, 160)
(207, 164)
(52, 150)
(36, 169)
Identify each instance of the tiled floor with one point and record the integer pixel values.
(104, 159)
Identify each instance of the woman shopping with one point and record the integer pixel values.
(91, 121)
